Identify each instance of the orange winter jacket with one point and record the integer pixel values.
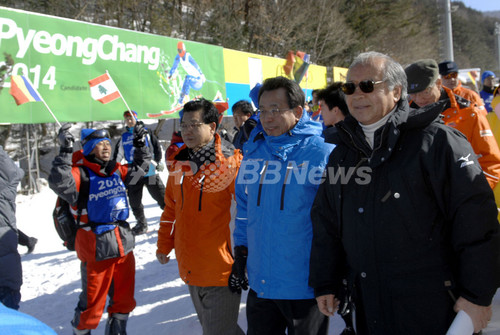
(195, 221)
(470, 95)
(468, 119)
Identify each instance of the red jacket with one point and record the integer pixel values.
(175, 144)
(195, 221)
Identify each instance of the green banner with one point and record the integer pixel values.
(60, 56)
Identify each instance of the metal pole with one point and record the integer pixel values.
(448, 35)
(497, 32)
(37, 158)
(30, 177)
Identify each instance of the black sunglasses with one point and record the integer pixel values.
(99, 133)
(366, 86)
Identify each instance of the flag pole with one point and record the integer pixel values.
(58, 123)
(121, 95)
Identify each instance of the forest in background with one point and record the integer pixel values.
(331, 31)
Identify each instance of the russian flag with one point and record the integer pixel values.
(22, 90)
(103, 89)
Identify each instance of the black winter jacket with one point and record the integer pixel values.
(10, 261)
(409, 224)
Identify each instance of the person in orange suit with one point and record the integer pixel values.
(449, 75)
(425, 88)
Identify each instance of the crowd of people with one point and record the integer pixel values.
(374, 201)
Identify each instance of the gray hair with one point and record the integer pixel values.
(394, 74)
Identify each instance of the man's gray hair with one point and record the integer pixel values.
(394, 74)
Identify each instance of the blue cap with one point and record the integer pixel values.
(487, 74)
(91, 137)
(254, 94)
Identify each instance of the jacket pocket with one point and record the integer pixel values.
(418, 215)
(421, 303)
(114, 243)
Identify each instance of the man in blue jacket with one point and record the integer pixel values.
(488, 80)
(283, 163)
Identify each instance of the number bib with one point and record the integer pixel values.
(107, 199)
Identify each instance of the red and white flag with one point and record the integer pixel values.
(103, 89)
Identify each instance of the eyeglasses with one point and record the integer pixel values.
(273, 112)
(190, 126)
(451, 75)
(99, 133)
(366, 86)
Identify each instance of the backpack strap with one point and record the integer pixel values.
(83, 195)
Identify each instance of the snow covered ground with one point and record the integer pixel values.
(52, 278)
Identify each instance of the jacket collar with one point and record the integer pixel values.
(217, 149)
(104, 170)
(281, 145)
(386, 137)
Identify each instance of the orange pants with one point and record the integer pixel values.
(114, 277)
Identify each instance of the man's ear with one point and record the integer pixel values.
(397, 93)
(213, 127)
(439, 83)
(297, 111)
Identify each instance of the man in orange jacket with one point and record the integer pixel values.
(449, 76)
(197, 214)
(425, 88)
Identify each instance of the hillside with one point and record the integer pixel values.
(332, 31)
(495, 14)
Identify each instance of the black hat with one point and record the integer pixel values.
(447, 67)
(421, 75)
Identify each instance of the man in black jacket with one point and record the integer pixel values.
(331, 101)
(244, 122)
(124, 150)
(11, 276)
(405, 213)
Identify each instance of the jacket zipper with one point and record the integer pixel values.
(182, 190)
(262, 175)
(282, 201)
(352, 140)
(202, 182)
(361, 150)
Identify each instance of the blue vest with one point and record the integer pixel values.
(107, 199)
(128, 145)
(128, 149)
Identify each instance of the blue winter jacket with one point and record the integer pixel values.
(275, 188)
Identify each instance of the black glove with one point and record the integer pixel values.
(139, 134)
(238, 279)
(66, 139)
